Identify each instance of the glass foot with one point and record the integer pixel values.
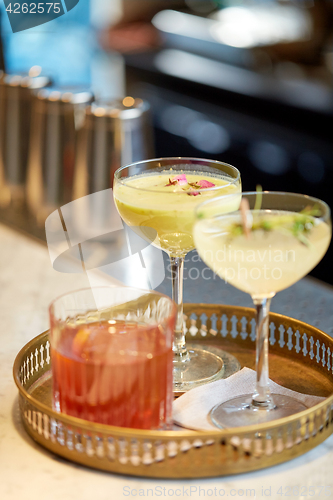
(205, 364)
(239, 412)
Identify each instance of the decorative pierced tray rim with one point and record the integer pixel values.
(315, 422)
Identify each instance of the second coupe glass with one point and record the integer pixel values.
(268, 245)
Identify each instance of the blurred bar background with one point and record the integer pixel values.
(246, 82)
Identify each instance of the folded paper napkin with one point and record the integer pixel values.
(191, 410)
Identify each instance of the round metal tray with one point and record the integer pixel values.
(301, 358)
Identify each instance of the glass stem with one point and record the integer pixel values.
(177, 271)
(262, 397)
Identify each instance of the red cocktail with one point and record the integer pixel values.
(115, 371)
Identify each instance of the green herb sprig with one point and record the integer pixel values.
(300, 224)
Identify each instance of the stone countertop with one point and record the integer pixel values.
(28, 283)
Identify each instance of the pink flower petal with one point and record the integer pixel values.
(193, 193)
(205, 184)
(181, 179)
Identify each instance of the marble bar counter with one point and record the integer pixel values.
(28, 284)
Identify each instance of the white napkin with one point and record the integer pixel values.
(191, 410)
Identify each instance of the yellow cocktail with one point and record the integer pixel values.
(157, 198)
(268, 261)
(161, 202)
(270, 243)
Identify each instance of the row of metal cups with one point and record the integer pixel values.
(57, 145)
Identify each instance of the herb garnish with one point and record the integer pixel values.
(300, 224)
(171, 183)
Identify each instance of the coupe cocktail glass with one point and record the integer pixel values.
(270, 243)
(157, 199)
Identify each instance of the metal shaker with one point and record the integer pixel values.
(114, 134)
(56, 117)
(16, 97)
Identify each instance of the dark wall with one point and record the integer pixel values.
(279, 146)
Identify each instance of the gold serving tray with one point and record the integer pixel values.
(301, 358)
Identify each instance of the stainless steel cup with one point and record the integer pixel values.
(114, 134)
(56, 117)
(16, 98)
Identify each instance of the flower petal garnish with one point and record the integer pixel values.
(182, 181)
(192, 192)
(205, 184)
(180, 178)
